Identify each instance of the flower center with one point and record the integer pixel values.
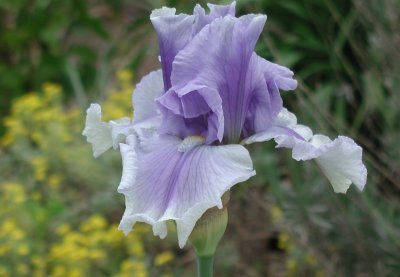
(190, 142)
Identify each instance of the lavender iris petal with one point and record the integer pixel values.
(240, 88)
(196, 111)
(149, 88)
(216, 11)
(166, 178)
(174, 31)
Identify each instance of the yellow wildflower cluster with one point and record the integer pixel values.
(41, 118)
(82, 251)
(13, 194)
(164, 258)
(50, 182)
(15, 245)
(46, 135)
(90, 249)
(276, 214)
(119, 103)
(36, 115)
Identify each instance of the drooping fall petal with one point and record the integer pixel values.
(340, 160)
(166, 178)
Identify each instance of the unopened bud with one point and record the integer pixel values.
(209, 229)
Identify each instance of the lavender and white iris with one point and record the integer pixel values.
(184, 147)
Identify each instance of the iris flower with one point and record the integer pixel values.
(192, 119)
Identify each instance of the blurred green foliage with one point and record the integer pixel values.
(35, 43)
(344, 55)
(74, 43)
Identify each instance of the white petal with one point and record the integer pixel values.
(129, 165)
(104, 135)
(340, 160)
(147, 90)
(303, 131)
(286, 118)
(98, 133)
(120, 129)
(319, 140)
(164, 11)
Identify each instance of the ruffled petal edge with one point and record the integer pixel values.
(233, 159)
(340, 160)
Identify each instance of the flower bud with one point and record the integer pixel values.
(209, 229)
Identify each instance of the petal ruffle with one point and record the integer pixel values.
(216, 11)
(340, 160)
(166, 178)
(198, 112)
(104, 135)
(100, 134)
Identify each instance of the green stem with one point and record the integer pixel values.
(205, 266)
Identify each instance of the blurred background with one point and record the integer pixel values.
(59, 208)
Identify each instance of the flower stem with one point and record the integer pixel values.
(205, 266)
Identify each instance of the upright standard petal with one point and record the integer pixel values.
(237, 91)
(216, 11)
(174, 32)
(166, 178)
(340, 160)
(144, 95)
(217, 61)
